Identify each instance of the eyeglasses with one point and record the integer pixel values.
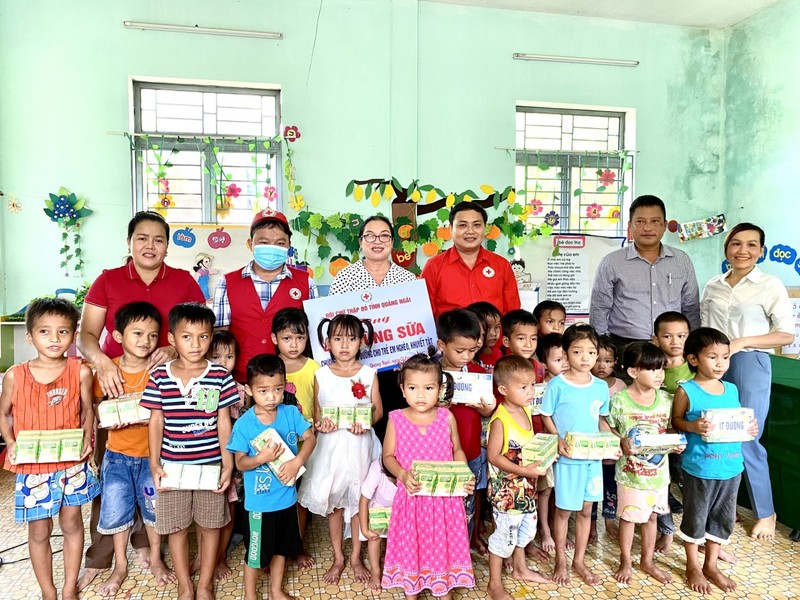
(370, 237)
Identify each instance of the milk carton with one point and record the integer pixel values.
(730, 424)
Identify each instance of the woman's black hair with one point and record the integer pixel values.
(348, 325)
(380, 218)
(643, 355)
(147, 215)
(426, 362)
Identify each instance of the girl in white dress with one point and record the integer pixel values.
(331, 486)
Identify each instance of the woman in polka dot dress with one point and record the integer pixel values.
(427, 545)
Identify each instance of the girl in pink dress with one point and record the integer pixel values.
(427, 545)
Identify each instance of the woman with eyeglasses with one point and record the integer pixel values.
(376, 268)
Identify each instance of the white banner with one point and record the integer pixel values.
(401, 316)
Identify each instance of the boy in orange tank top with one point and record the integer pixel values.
(50, 392)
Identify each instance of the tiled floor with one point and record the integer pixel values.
(765, 570)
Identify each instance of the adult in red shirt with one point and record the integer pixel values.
(247, 299)
(467, 272)
(143, 277)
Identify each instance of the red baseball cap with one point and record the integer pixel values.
(268, 215)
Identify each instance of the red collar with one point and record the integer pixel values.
(455, 256)
(134, 274)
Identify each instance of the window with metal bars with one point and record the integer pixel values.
(573, 170)
(206, 154)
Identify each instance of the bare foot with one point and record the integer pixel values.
(548, 544)
(697, 581)
(612, 529)
(87, 576)
(593, 533)
(110, 587)
(360, 573)
(508, 565)
(374, 581)
(222, 571)
(533, 551)
(479, 547)
(161, 573)
(526, 574)
(764, 529)
(143, 556)
(279, 594)
(304, 561)
(570, 544)
(205, 594)
(186, 594)
(727, 557)
(194, 566)
(69, 594)
(496, 591)
(726, 584)
(656, 573)
(333, 574)
(585, 573)
(561, 573)
(664, 543)
(624, 573)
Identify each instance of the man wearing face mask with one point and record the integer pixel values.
(246, 300)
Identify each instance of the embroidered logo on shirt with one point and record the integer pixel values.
(366, 297)
(56, 395)
(488, 272)
(295, 294)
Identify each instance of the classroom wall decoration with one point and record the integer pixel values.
(702, 228)
(68, 211)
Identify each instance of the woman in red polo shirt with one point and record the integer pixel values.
(144, 277)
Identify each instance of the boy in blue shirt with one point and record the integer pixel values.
(576, 401)
(270, 498)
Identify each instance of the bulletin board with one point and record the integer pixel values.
(793, 349)
(563, 266)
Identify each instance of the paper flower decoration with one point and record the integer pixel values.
(163, 186)
(14, 204)
(68, 211)
(551, 218)
(164, 202)
(594, 210)
(358, 389)
(296, 203)
(291, 133)
(536, 207)
(271, 193)
(613, 214)
(233, 190)
(607, 177)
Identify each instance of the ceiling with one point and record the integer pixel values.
(708, 14)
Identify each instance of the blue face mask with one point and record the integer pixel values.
(270, 257)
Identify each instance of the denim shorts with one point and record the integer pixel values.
(126, 484)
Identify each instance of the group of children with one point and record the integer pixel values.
(200, 416)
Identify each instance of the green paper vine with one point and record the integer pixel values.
(68, 211)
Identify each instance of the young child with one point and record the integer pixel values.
(428, 542)
(191, 395)
(331, 486)
(670, 331)
(711, 470)
(642, 479)
(224, 350)
(551, 316)
(270, 497)
(290, 336)
(459, 333)
(520, 337)
(576, 401)
(377, 491)
(551, 355)
(550, 352)
(489, 317)
(604, 369)
(125, 476)
(512, 486)
(50, 392)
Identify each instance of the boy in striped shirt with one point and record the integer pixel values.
(190, 423)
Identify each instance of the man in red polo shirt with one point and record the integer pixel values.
(246, 300)
(467, 272)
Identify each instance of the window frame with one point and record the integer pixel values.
(568, 159)
(208, 196)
